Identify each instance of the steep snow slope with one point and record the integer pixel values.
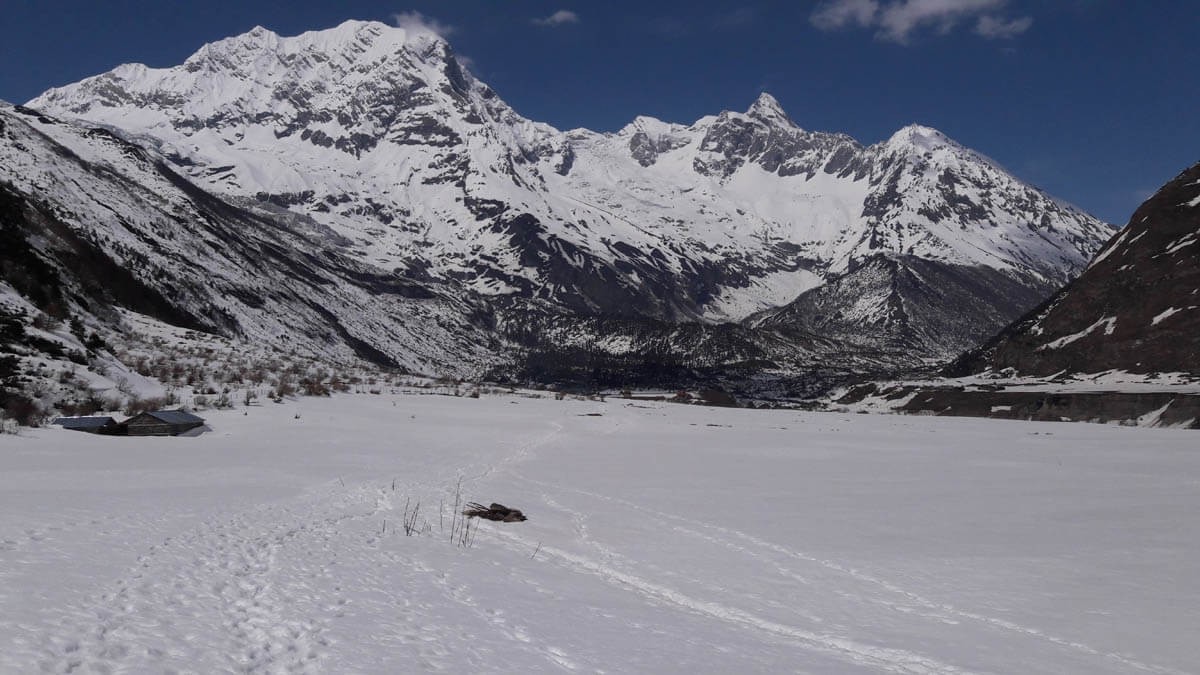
(747, 541)
(381, 134)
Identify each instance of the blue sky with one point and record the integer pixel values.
(1095, 101)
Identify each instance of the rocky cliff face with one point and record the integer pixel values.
(1135, 308)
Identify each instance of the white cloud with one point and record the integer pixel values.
(1143, 194)
(465, 61)
(897, 20)
(558, 18)
(995, 28)
(416, 22)
(843, 13)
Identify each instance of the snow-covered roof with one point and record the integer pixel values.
(83, 422)
(174, 416)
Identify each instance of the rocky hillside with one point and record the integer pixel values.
(95, 222)
(1136, 308)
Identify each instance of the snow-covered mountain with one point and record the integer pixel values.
(91, 222)
(906, 305)
(1136, 308)
(381, 134)
(373, 145)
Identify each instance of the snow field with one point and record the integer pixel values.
(662, 538)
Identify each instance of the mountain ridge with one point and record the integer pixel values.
(447, 106)
(382, 150)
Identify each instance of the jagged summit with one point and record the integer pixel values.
(767, 109)
(261, 68)
(352, 33)
(764, 110)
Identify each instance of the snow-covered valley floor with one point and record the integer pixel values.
(661, 538)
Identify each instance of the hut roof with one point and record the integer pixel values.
(175, 417)
(84, 422)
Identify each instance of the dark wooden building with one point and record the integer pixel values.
(161, 423)
(91, 425)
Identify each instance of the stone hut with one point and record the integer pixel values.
(162, 423)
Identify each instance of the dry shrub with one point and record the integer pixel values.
(311, 386)
(140, 405)
(24, 411)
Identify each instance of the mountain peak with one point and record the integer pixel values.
(767, 109)
(648, 125)
(353, 30)
(257, 37)
(354, 40)
(918, 138)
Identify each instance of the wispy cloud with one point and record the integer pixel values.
(839, 14)
(1142, 194)
(465, 61)
(559, 18)
(898, 20)
(416, 22)
(996, 28)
